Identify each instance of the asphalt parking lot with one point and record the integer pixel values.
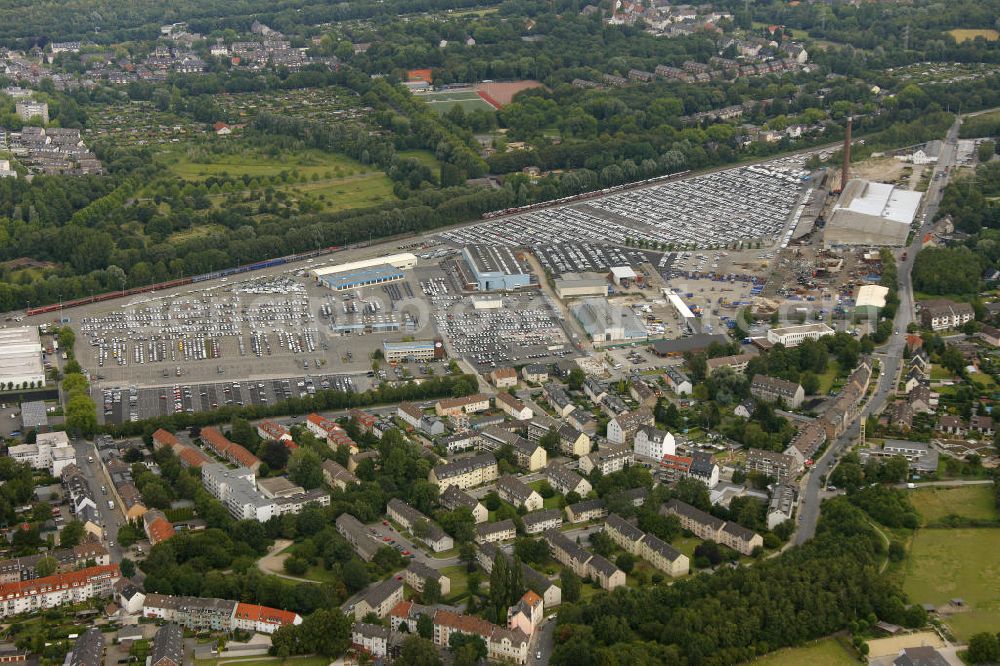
(136, 403)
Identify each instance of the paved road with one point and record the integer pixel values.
(111, 519)
(890, 355)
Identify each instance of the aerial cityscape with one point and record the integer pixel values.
(474, 332)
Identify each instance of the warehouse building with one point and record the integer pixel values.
(21, 357)
(404, 261)
(605, 322)
(494, 268)
(580, 285)
(872, 214)
(361, 277)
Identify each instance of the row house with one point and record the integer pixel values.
(222, 447)
(419, 525)
(505, 530)
(591, 509)
(550, 592)
(33, 596)
(470, 404)
(709, 528)
(356, 534)
(657, 552)
(537, 522)
(67, 559)
(582, 562)
(557, 397)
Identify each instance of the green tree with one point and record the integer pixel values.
(305, 468)
(571, 585)
(431, 593)
(983, 648)
(71, 534)
(418, 651)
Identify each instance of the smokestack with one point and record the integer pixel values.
(846, 169)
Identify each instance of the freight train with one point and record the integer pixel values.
(170, 284)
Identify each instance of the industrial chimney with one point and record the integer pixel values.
(845, 170)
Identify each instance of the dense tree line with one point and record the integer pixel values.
(814, 590)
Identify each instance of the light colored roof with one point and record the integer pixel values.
(872, 295)
(880, 200)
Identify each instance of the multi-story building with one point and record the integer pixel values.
(504, 645)
(504, 378)
(361, 540)
(557, 397)
(513, 407)
(651, 442)
(73, 587)
(272, 430)
(537, 522)
(168, 646)
(505, 530)
(197, 613)
(262, 619)
(409, 413)
(704, 469)
(737, 363)
(420, 525)
(529, 455)
(535, 373)
(591, 509)
(418, 573)
(942, 314)
(550, 592)
(51, 451)
(527, 613)
(88, 650)
(622, 428)
(222, 447)
(773, 389)
(608, 459)
(238, 492)
(452, 498)
(776, 465)
(67, 559)
(470, 404)
(371, 638)
(784, 499)
(380, 599)
(465, 473)
(565, 481)
(708, 527)
(512, 490)
(336, 475)
(573, 442)
(792, 336)
(582, 562)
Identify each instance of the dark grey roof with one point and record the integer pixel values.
(691, 343)
(603, 565)
(492, 528)
(623, 527)
(587, 505)
(89, 649)
(422, 570)
(453, 497)
(559, 540)
(462, 466)
(688, 511)
(536, 517)
(701, 463)
(920, 656)
(660, 546)
(370, 630)
(168, 645)
(378, 594)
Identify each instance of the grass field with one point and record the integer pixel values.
(974, 502)
(442, 101)
(968, 34)
(335, 181)
(425, 157)
(459, 582)
(949, 563)
(826, 652)
(827, 379)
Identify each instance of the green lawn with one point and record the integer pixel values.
(334, 180)
(982, 380)
(939, 373)
(459, 582)
(425, 157)
(442, 102)
(825, 652)
(934, 503)
(687, 545)
(827, 379)
(949, 563)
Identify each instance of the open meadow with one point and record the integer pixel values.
(946, 564)
(972, 502)
(825, 652)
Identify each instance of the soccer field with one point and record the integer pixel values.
(442, 101)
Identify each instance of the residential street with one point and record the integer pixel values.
(890, 355)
